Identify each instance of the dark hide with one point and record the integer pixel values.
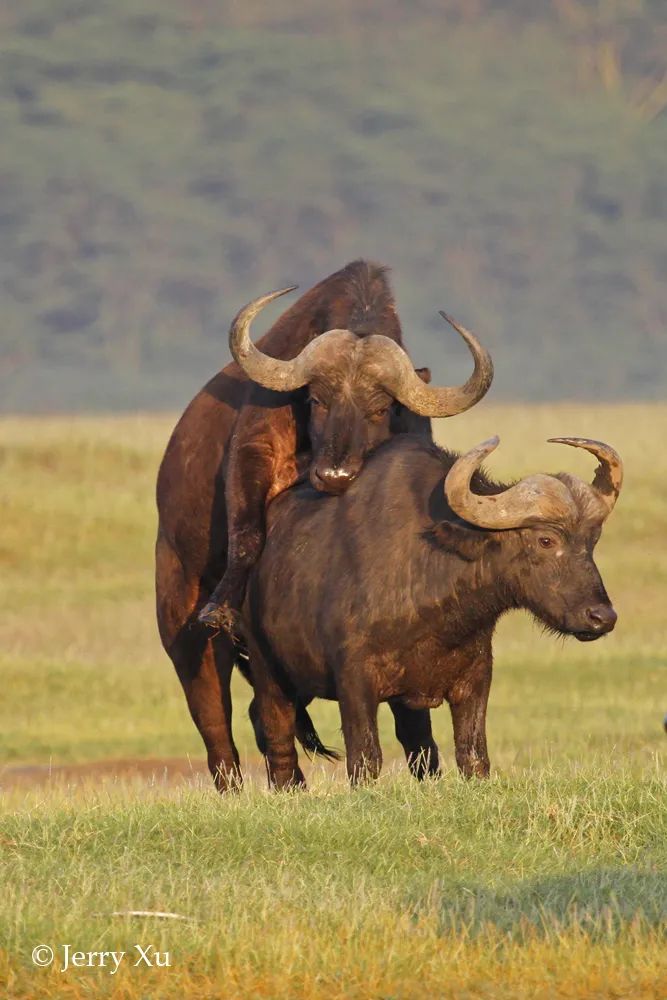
(211, 500)
(383, 594)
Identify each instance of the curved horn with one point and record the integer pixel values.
(608, 478)
(439, 401)
(536, 498)
(269, 372)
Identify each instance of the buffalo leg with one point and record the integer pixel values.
(208, 695)
(273, 715)
(203, 664)
(256, 721)
(248, 483)
(467, 704)
(413, 732)
(358, 712)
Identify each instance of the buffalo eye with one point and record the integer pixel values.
(545, 542)
(316, 402)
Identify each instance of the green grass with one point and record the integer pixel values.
(548, 881)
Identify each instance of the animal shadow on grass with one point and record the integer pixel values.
(599, 902)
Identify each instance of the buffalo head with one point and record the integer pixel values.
(354, 383)
(547, 528)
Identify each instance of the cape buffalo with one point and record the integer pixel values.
(354, 382)
(392, 591)
(211, 501)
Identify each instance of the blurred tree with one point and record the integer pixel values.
(162, 162)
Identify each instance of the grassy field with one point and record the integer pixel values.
(548, 881)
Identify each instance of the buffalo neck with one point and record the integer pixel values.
(462, 596)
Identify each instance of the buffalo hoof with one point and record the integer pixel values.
(220, 617)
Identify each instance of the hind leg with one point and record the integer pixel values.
(203, 664)
(413, 732)
(274, 717)
(206, 682)
(254, 716)
(358, 703)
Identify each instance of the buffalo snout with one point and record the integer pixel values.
(600, 619)
(334, 478)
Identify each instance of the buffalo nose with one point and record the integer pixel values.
(335, 479)
(601, 617)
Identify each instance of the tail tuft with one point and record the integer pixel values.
(308, 738)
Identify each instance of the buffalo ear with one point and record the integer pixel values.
(466, 543)
(404, 421)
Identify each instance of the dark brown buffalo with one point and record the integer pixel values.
(361, 389)
(392, 593)
(211, 501)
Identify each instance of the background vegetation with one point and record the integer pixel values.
(165, 160)
(548, 881)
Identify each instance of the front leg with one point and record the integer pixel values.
(358, 711)
(249, 482)
(468, 699)
(414, 733)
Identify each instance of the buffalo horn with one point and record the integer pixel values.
(269, 372)
(535, 498)
(395, 370)
(608, 477)
(440, 401)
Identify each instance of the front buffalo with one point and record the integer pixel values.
(391, 592)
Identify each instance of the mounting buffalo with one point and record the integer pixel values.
(354, 382)
(240, 443)
(391, 593)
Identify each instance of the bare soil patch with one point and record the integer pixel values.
(162, 770)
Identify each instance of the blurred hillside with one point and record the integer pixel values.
(162, 162)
